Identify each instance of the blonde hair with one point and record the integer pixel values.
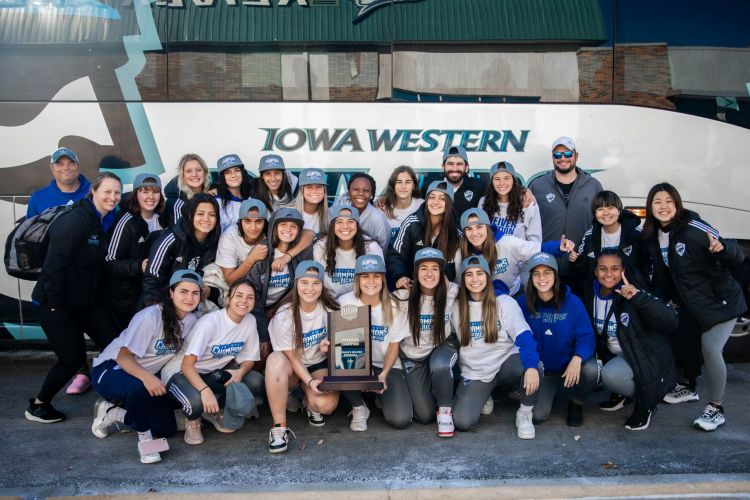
(322, 210)
(387, 301)
(184, 188)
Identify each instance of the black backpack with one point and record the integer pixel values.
(26, 246)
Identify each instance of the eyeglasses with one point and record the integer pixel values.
(562, 154)
(542, 274)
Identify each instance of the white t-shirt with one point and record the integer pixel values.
(399, 214)
(314, 330)
(529, 229)
(426, 321)
(611, 240)
(601, 308)
(342, 279)
(153, 223)
(382, 335)
(664, 246)
(232, 250)
(144, 337)
(311, 222)
(480, 360)
(229, 212)
(216, 340)
(278, 283)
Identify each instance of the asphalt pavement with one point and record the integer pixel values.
(62, 459)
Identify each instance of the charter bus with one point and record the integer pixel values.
(650, 91)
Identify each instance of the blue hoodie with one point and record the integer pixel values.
(51, 196)
(562, 334)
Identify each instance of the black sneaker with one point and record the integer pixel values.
(614, 403)
(575, 414)
(278, 439)
(313, 417)
(43, 412)
(639, 420)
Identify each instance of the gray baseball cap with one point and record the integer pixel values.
(252, 204)
(455, 151)
(186, 275)
(564, 141)
(429, 253)
(541, 259)
(474, 212)
(441, 186)
(144, 179)
(240, 404)
(271, 162)
(309, 269)
(475, 261)
(311, 176)
(60, 152)
(228, 161)
(369, 264)
(336, 212)
(502, 166)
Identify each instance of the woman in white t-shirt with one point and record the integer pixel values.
(312, 201)
(243, 244)
(339, 250)
(126, 370)
(388, 328)
(429, 351)
(503, 202)
(497, 349)
(221, 349)
(401, 197)
(508, 253)
(299, 334)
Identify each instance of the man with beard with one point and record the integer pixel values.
(467, 189)
(564, 196)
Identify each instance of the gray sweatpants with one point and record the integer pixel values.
(430, 381)
(552, 384)
(472, 394)
(182, 391)
(712, 344)
(618, 377)
(397, 406)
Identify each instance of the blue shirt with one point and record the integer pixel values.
(51, 196)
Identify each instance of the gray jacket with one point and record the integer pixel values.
(572, 220)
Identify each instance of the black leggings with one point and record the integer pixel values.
(64, 329)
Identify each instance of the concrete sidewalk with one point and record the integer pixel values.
(668, 459)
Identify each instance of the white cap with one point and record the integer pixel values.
(564, 141)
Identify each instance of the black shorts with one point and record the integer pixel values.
(318, 366)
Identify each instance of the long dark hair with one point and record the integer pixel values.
(489, 250)
(438, 314)
(172, 325)
(389, 196)
(489, 313)
(222, 190)
(131, 204)
(192, 206)
(515, 199)
(532, 296)
(447, 240)
(264, 194)
(651, 224)
(332, 243)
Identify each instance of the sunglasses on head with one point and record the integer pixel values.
(562, 154)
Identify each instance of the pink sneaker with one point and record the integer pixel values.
(79, 385)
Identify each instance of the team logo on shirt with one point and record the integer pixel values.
(468, 195)
(194, 263)
(141, 240)
(501, 266)
(425, 322)
(163, 349)
(624, 319)
(279, 281)
(378, 333)
(680, 248)
(409, 366)
(313, 337)
(476, 330)
(628, 250)
(550, 197)
(342, 276)
(223, 350)
(548, 332)
(505, 226)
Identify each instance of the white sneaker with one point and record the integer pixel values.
(314, 418)
(104, 418)
(488, 407)
(217, 420)
(711, 419)
(681, 394)
(151, 458)
(445, 422)
(278, 439)
(359, 415)
(524, 424)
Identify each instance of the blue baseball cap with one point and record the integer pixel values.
(369, 264)
(311, 176)
(455, 151)
(337, 211)
(142, 180)
(502, 165)
(541, 259)
(229, 161)
(564, 141)
(59, 153)
(240, 405)
(250, 204)
(429, 253)
(475, 261)
(271, 162)
(186, 275)
(309, 269)
(443, 187)
(474, 212)
(287, 213)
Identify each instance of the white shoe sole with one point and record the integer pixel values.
(687, 399)
(33, 418)
(96, 430)
(278, 450)
(530, 435)
(151, 458)
(708, 427)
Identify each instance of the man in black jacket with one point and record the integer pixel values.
(467, 189)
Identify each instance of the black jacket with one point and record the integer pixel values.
(75, 259)
(176, 248)
(128, 246)
(591, 247)
(696, 278)
(260, 275)
(408, 241)
(643, 327)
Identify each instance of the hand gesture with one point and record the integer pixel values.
(566, 245)
(278, 264)
(258, 253)
(714, 245)
(628, 291)
(573, 256)
(531, 381)
(404, 283)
